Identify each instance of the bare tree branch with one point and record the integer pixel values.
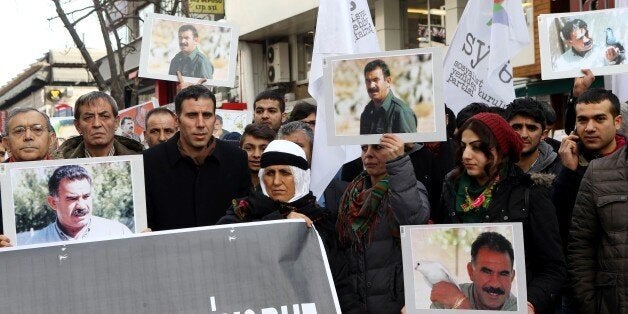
(82, 17)
(91, 65)
(72, 13)
(117, 87)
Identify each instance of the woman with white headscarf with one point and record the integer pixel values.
(285, 191)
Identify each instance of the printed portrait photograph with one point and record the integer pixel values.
(199, 49)
(593, 40)
(464, 267)
(229, 121)
(73, 201)
(392, 92)
(133, 120)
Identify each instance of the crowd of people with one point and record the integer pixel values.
(496, 165)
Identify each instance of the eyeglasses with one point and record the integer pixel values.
(36, 129)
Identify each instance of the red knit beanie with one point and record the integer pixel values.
(508, 141)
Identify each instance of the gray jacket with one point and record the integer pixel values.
(597, 250)
(547, 162)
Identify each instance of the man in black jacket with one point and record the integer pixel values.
(192, 178)
(597, 122)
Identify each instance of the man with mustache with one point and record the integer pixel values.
(385, 113)
(269, 108)
(584, 52)
(96, 119)
(190, 61)
(70, 194)
(491, 273)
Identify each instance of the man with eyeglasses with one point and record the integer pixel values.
(27, 135)
(584, 52)
(27, 138)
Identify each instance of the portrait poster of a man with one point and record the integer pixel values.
(464, 267)
(392, 92)
(133, 120)
(198, 49)
(67, 202)
(573, 41)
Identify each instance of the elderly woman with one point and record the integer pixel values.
(380, 199)
(284, 191)
(487, 186)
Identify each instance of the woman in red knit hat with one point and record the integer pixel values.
(487, 186)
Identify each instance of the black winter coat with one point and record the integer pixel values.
(545, 262)
(181, 194)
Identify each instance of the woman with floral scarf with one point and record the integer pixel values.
(487, 186)
(383, 197)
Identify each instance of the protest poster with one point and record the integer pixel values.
(133, 120)
(477, 65)
(197, 48)
(235, 120)
(72, 199)
(403, 81)
(443, 255)
(341, 28)
(592, 40)
(262, 268)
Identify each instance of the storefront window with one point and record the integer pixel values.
(426, 23)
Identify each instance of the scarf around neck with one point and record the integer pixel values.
(359, 208)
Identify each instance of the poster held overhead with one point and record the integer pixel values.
(342, 27)
(196, 48)
(371, 94)
(594, 40)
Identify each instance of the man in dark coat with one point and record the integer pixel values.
(96, 119)
(192, 178)
(597, 122)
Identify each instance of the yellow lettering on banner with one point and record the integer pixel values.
(207, 6)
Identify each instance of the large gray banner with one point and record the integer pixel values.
(275, 267)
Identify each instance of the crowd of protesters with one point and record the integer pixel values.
(495, 166)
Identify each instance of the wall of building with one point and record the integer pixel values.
(253, 15)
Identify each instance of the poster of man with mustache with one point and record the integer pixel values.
(385, 92)
(190, 61)
(66, 200)
(464, 267)
(198, 49)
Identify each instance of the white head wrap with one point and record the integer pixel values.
(282, 152)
